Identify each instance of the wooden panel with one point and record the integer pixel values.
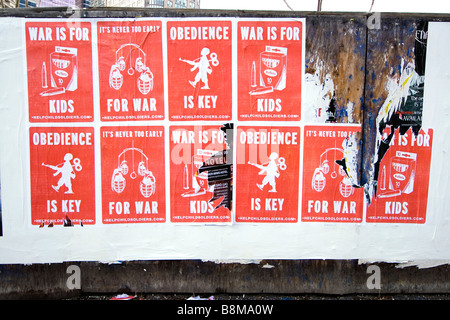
(335, 57)
(390, 50)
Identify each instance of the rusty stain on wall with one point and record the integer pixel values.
(335, 62)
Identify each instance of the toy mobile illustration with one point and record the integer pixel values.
(326, 164)
(132, 56)
(118, 181)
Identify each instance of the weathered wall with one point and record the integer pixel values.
(336, 46)
(334, 277)
(359, 61)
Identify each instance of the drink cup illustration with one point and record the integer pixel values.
(63, 71)
(319, 178)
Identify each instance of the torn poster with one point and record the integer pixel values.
(402, 109)
(201, 173)
(404, 179)
(267, 177)
(320, 97)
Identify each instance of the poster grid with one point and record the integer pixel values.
(122, 78)
(132, 89)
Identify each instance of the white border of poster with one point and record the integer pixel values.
(23, 242)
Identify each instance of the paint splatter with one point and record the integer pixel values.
(400, 96)
(352, 156)
(334, 77)
(401, 88)
(319, 95)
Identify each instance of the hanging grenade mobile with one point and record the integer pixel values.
(132, 52)
(345, 187)
(145, 82)
(147, 185)
(115, 77)
(123, 167)
(118, 182)
(318, 180)
(141, 168)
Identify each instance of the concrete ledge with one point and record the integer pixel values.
(50, 281)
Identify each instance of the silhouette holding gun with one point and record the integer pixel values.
(271, 170)
(67, 172)
(203, 64)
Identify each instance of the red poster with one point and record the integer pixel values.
(59, 69)
(328, 193)
(267, 177)
(130, 70)
(201, 174)
(62, 176)
(270, 67)
(402, 190)
(133, 179)
(199, 69)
